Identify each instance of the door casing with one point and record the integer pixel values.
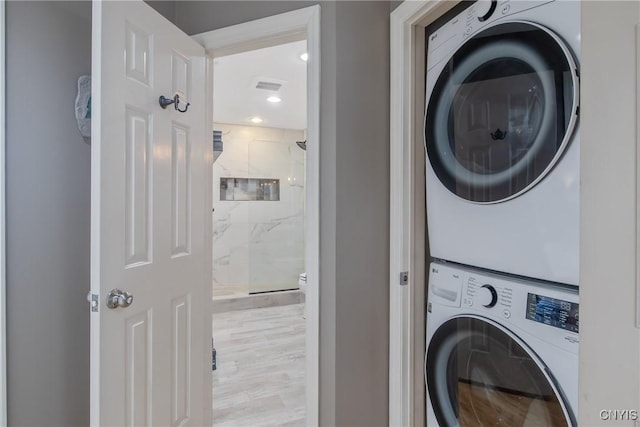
(3, 282)
(407, 226)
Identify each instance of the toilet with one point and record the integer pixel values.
(302, 284)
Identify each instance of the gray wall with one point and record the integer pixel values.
(198, 16)
(166, 8)
(48, 207)
(354, 186)
(362, 213)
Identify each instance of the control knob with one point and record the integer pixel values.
(485, 8)
(487, 296)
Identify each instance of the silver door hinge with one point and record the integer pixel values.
(93, 300)
(404, 278)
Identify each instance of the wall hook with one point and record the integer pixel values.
(165, 102)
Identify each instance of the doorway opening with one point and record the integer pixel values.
(258, 235)
(297, 25)
(277, 30)
(259, 122)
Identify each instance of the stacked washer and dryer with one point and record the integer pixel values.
(503, 176)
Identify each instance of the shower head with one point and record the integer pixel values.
(302, 144)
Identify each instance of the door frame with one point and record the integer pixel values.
(407, 228)
(3, 269)
(277, 29)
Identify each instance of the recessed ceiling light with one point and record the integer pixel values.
(304, 57)
(274, 99)
(256, 120)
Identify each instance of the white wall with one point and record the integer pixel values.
(259, 245)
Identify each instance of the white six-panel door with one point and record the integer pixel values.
(148, 360)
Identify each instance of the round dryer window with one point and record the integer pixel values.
(501, 112)
(479, 374)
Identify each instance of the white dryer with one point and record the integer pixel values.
(500, 351)
(502, 138)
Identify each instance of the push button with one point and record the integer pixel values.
(506, 313)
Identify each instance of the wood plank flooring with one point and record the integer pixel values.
(260, 377)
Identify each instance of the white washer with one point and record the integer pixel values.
(502, 138)
(500, 351)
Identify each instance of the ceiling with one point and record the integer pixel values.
(236, 99)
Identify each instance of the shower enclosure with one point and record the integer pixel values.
(258, 222)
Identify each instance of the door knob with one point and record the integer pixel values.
(119, 298)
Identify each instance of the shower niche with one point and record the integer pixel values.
(249, 189)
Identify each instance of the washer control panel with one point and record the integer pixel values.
(481, 293)
(554, 312)
(543, 310)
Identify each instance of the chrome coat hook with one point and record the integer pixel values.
(165, 102)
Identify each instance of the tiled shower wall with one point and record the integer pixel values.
(259, 245)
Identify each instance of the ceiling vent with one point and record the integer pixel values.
(268, 86)
(267, 83)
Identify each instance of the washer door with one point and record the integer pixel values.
(501, 112)
(479, 374)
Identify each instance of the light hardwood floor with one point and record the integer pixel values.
(260, 380)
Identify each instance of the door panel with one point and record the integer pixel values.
(138, 54)
(181, 362)
(138, 224)
(181, 189)
(181, 67)
(138, 370)
(149, 361)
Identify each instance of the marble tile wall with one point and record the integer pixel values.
(259, 245)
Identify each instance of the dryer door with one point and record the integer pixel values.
(501, 112)
(479, 374)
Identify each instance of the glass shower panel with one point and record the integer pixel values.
(276, 224)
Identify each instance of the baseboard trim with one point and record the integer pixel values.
(246, 302)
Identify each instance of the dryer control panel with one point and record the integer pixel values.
(479, 15)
